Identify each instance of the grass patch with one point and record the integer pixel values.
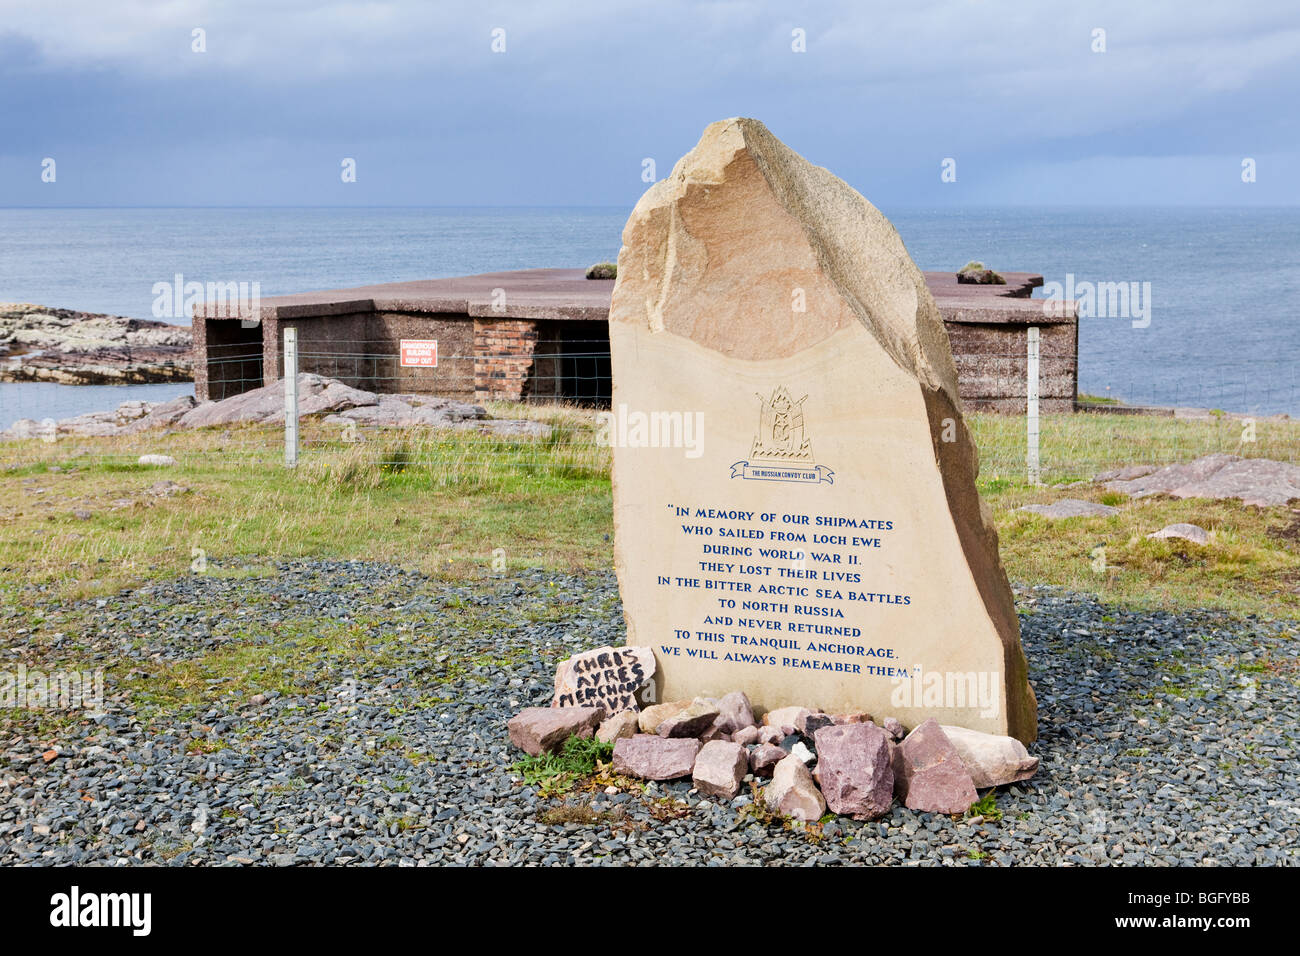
(986, 807)
(558, 773)
(458, 503)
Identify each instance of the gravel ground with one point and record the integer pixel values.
(359, 717)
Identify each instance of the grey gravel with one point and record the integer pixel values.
(1165, 738)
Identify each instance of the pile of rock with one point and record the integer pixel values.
(813, 761)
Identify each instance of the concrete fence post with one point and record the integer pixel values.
(290, 397)
(1031, 408)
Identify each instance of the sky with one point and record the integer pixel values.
(568, 103)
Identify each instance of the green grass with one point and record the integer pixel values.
(986, 807)
(559, 772)
(461, 504)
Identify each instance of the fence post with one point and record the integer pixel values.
(1031, 408)
(290, 397)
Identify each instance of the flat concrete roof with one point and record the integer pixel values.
(567, 294)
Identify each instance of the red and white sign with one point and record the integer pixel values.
(419, 353)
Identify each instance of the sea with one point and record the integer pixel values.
(1210, 320)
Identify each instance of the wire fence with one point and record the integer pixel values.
(364, 409)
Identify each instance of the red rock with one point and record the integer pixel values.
(693, 721)
(651, 757)
(859, 718)
(538, 730)
(734, 713)
(815, 722)
(992, 760)
(622, 724)
(746, 736)
(654, 715)
(771, 735)
(764, 758)
(894, 728)
(788, 719)
(792, 792)
(854, 771)
(934, 779)
(720, 767)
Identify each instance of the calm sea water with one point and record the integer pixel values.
(1222, 331)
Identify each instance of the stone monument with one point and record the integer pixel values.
(794, 502)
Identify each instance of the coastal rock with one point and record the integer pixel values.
(1127, 473)
(992, 760)
(316, 394)
(854, 771)
(1071, 508)
(622, 724)
(539, 730)
(162, 414)
(719, 769)
(691, 721)
(1256, 481)
(934, 777)
(1189, 532)
(651, 757)
(40, 344)
(734, 713)
(792, 792)
(611, 676)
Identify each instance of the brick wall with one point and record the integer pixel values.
(504, 351)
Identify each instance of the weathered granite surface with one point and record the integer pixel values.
(1256, 481)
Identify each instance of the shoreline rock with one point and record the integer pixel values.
(318, 395)
(39, 344)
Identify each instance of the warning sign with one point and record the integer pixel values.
(419, 353)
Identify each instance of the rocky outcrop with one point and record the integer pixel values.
(1256, 481)
(38, 344)
(317, 395)
(1071, 508)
